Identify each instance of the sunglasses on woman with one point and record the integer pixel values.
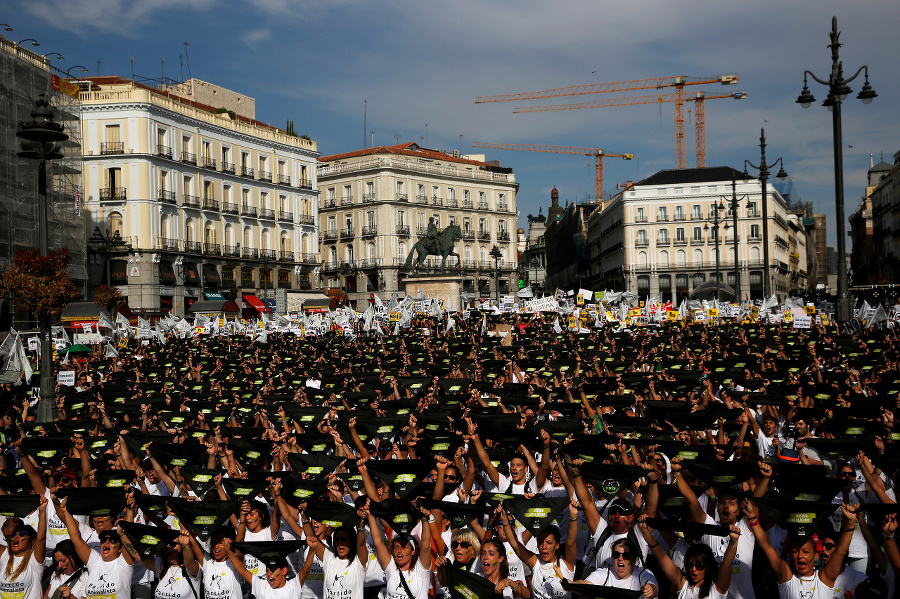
(462, 544)
(699, 566)
(624, 555)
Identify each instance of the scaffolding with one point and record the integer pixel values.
(23, 76)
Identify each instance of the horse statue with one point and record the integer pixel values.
(442, 245)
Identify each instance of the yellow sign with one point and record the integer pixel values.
(573, 322)
(634, 312)
(754, 312)
(712, 312)
(395, 316)
(199, 330)
(221, 321)
(123, 342)
(824, 318)
(579, 300)
(787, 316)
(811, 310)
(672, 315)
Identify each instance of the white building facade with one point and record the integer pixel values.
(208, 201)
(661, 236)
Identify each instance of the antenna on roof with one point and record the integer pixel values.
(163, 71)
(132, 71)
(181, 63)
(188, 58)
(365, 127)
(98, 68)
(397, 138)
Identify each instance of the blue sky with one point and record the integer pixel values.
(418, 62)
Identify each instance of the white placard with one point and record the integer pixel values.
(802, 322)
(66, 377)
(32, 344)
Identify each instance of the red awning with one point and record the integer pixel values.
(255, 303)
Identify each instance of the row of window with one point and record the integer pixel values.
(422, 196)
(662, 235)
(642, 259)
(662, 212)
(402, 250)
(422, 222)
(682, 282)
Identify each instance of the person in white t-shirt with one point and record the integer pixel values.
(405, 565)
(799, 578)
(623, 573)
(67, 572)
(220, 579)
(22, 560)
(275, 585)
(178, 572)
(109, 570)
(702, 577)
(344, 566)
(495, 569)
(520, 466)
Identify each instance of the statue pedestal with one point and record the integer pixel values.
(444, 286)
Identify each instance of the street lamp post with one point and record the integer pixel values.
(763, 169)
(734, 203)
(717, 234)
(838, 90)
(42, 136)
(496, 254)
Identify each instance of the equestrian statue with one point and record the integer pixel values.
(435, 243)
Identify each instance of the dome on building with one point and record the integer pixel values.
(520, 231)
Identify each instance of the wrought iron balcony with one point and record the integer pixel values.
(167, 196)
(468, 234)
(306, 219)
(402, 197)
(662, 242)
(369, 231)
(368, 198)
(228, 167)
(167, 245)
(267, 213)
(348, 233)
(484, 235)
(248, 211)
(189, 157)
(467, 204)
(265, 176)
(421, 199)
(267, 254)
(112, 147)
(421, 231)
(251, 253)
(207, 162)
(503, 236)
(305, 183)
(229, 208)
(347, 201)
(231, 251)
(483, 206)
(437, 201)
(193, 247)
(402, 229)
(247, 171)
(502, 207)
(210, 204)
(286, 256)
(212, 249)
(452, 204)
(285, 216)
(331, 266)
(191, 201)
(113, 193)
(329, 203)
(330, 235)
(641, 242)
(309, 258)
(164, 151)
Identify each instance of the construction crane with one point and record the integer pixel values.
(699, 99)
(678, 82)
(597, 153)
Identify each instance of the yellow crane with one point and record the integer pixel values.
(678, 82)
(597, 153)
(698, 98)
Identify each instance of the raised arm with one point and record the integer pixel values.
(237, 562)
(527, 557)
(671, 571)
(694, 508)
(583, 494)
(483, 457)
(779, 566)
(81, 548)
(832, 569)
(723, 580)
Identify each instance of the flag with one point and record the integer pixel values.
(484, 324)
(111, 352)
(105, 322)
(556, 326)
(772, 302)
(879, 316)
(526, 293)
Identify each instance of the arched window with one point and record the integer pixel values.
(482, 254)
(164, 226)
(642, 259)
(681, 258)
(371, 251)
(265, 239)
(349, 254)
(189, 230)
(401, 250)
(209, 233)
(114, 224)
(663, 260)
(467, 253)
(754, 255)
(229, 234)
(248, 237)
(285, 244)
(332, 254)
(698, 258)
(304, 243)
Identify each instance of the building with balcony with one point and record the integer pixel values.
(875, 227)
(24, 75)
(659, 236)
(207, 199)
(377, 202)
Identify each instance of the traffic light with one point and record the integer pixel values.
(521, 283)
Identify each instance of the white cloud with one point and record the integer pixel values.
(253, 38)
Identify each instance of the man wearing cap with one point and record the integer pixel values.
(275, 584)
(109, 570)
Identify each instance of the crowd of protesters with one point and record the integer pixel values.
(502, 458)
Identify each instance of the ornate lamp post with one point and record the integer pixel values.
(717, 235)
(763, 169)
(838, 90)
(41, 137)
(496, 255)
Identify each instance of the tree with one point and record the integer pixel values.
(39, 284)
(106, 296)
